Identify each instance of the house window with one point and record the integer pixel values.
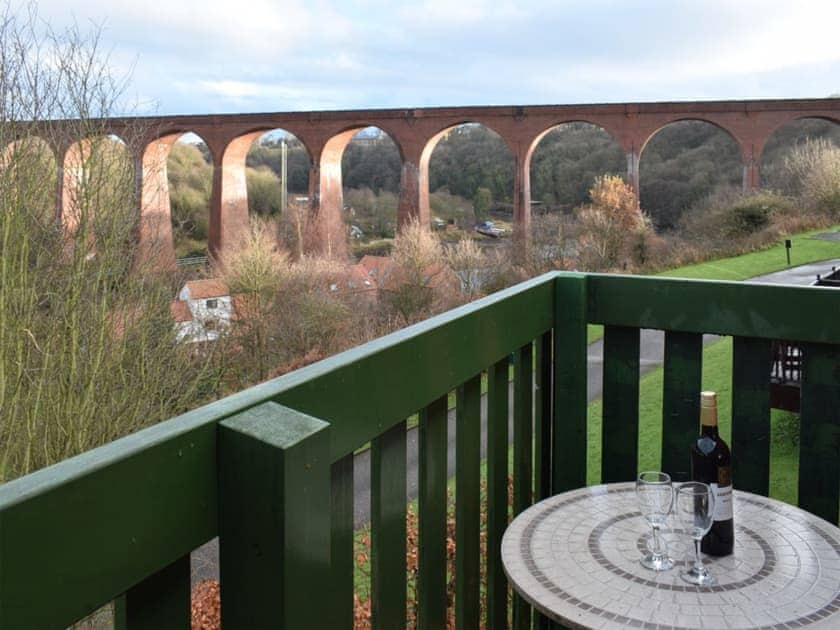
(212, 303)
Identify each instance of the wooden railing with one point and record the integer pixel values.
(270, 470)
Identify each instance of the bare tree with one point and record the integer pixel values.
(87, 348)
(468, 262)
(256, 271)
(412, 286)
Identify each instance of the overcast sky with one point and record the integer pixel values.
(213, 56)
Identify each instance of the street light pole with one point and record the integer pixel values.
(284, 190)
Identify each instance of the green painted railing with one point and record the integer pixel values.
(270, 470)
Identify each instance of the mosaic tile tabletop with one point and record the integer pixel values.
(575, 557)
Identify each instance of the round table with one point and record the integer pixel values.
(575, 558)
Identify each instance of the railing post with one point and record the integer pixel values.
(620, 417)
(160, 601)
(819, 439)
(570, 383)
(682, 380)
(431, 514)
(274, 519)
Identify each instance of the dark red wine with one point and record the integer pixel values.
(711, 463)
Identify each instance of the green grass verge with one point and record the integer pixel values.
(804, 250)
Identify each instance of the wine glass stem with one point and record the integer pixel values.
(698, 563)
(657, 547)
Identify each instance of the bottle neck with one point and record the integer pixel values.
(709, 429)
(709, 420)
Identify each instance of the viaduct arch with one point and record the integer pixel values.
(415, 132)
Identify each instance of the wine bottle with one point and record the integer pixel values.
(711, 463)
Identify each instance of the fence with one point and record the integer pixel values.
(270, 470)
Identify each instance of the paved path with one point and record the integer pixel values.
(804, 274)
(652, 344)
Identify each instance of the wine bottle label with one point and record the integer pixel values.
(723, 502)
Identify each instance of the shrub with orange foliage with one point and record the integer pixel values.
(206, 609)
(610, 225)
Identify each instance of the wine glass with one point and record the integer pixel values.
(656, 496)
(696, 510)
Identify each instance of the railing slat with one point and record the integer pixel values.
(620, 426)
(751, 365)
(819, 453)
(274, 520)
(523, 436)
(341, 544)
(497, 491)
(388, 501)
(523, 474)
(682, 381)
(160, 601)
(467, 502)
(432, 515)
(570, 390)
(542, 432)
(542, 421)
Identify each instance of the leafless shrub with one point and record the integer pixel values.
(469, 264)
(554, 244)
(821, 182)
(414, 287)
(257, 265)
(295, 228)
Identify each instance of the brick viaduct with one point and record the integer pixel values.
(415, 132)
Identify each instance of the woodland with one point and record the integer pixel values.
(471, 175)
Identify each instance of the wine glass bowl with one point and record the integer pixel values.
(655, 496)
(695, 509)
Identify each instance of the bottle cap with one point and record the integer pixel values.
(708, 400)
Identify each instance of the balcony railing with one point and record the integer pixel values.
(270, 470)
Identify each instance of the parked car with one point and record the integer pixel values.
(488, 228)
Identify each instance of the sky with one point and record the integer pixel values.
(213, 56)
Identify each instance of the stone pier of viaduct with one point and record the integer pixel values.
(415, 132)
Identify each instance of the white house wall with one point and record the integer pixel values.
(222, 313)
